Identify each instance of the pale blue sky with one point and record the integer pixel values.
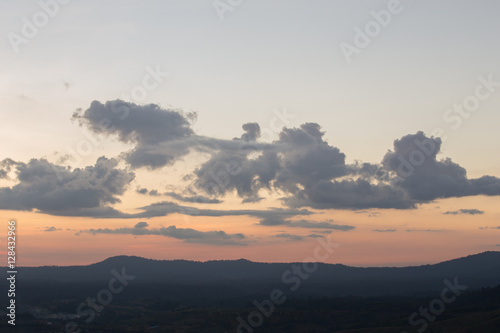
(264, 55)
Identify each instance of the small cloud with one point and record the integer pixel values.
(142, 190)
(289, 236)
(424, 230)
(193, 198)
(385, 230)
(368, 213)
(188, 235)
(464, 211)
(252, 199)
(315, 236)
(51, 229)
(278, 220)
(484, 228)
(141, 225)
(154, 193)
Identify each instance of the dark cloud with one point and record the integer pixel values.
(156, 132)
(252, 132)
(6, 166)
(280, 220)
(315, 236)
(145, 125)
(142, 190)
(58, 190)
(465, 211)
(385, 230)
(300, 163)
(425, 230)
(193, 198)
(289, 236)
(300, 158)
(165, 208)
(320, 225)
(425, 178)
(52, 229)
(186, 234)
(252, 199)
(141, 225)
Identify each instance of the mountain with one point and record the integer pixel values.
(475, 271)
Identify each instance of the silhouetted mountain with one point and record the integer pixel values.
(479, 270)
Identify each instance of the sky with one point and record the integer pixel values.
(214, 130)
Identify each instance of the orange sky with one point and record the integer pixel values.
(457, 235)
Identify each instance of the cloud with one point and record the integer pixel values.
(280, 220)
(320, 225)
(425, 178)
(484, 228)
(252, 132)
(165, 208)
(52, 229)
(142, 190)
(157, 133)
(289, 236)
(58, 190)
(188, 235)
(465, 211)
(300, 163)
(425, 230)
(315, 236)
(193, 198)
(6, 166)
(141, 225)
(385, 230)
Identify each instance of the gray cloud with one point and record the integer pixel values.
(465, 211)
(425, 230)
(289, 236)
(315, 236)
(301, 163)
(186, 234)
(156, 132)
(280, 220)
(6, 166)
(385, 230)
(141, 225)
(425, 178)
(52, 229)
(58, 190)
(252, 132)
(193, 198)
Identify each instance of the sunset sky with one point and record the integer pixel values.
(203, 130)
